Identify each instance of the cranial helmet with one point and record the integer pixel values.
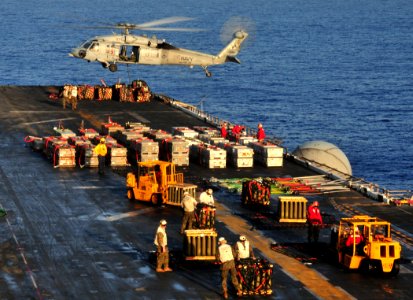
(315, 203)
(221, 239)
(242, 238)
(102, 140)
(163, 222)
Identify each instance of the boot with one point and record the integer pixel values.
(167, 270)
(159, 270)
(239, 291)
(225, 294)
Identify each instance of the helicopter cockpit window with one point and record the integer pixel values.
(86, 45)
(95, 46)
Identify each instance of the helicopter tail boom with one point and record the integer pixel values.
(232, 49)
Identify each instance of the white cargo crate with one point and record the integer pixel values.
(65, 133)
(267, 150)
(185, 131)
(270, 161)
(246, 162)
(212, 153)
(246, 140)
(180, 160)
(148, 157)
(214, 163)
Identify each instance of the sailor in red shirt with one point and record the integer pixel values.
(356, 238)
(314, 221)
(224, 130)
(260, 133)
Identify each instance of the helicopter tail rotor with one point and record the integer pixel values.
(237, 24)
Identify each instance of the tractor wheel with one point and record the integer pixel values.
(395, 270)
(130, 194)
(155, 199)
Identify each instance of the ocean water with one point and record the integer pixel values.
(338, 71)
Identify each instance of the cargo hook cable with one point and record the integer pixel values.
(23, 256)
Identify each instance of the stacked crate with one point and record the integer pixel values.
(143, 149)
(268, 154)
(246, 140)
(211, 131)
(157, 135)
(209, 156)
(87, 156)
(239, 156)
(35, 143)
(127, 135)
(137, 126)
(59, 152)
(117, 155)
(88, 132)
(175, 150)
(65, 133)
(185, 132)
(111, 128)
(211, 139)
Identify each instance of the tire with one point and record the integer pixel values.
(113, 67)
(155, 199)
(130, 194)
(396, 269)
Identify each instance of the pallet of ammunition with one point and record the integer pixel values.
(111, 128)
(64, 132)
(211, 131)
(209, 156)
(103, 93)
(267, 154)
(117, 155)
(88, 132)
(86, 156)
(255, 276)
(200, 244)
(175, 150)
(35, 143)
(85, 92)
(185, 132)
(158, 135)
(246, 140)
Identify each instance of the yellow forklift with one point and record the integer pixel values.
(365, 243)
(157, 182)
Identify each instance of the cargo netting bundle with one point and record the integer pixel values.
(255, 276)
(257, 192)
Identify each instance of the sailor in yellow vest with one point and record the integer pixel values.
(161, 242)
(101, 150)
(243, 249)
(225, 256)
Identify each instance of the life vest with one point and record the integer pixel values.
(243, 250)
(225, 253)
(165, 238)
(101, 149)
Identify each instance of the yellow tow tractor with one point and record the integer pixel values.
(157, 182)
(374, 251)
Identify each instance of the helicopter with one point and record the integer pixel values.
(126, 48)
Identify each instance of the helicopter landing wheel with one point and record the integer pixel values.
(113, 67)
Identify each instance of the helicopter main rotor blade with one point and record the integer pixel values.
(170, 29)
(169, 20)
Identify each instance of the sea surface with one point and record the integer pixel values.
(334, 70)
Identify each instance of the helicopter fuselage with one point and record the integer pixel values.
(135, 49)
